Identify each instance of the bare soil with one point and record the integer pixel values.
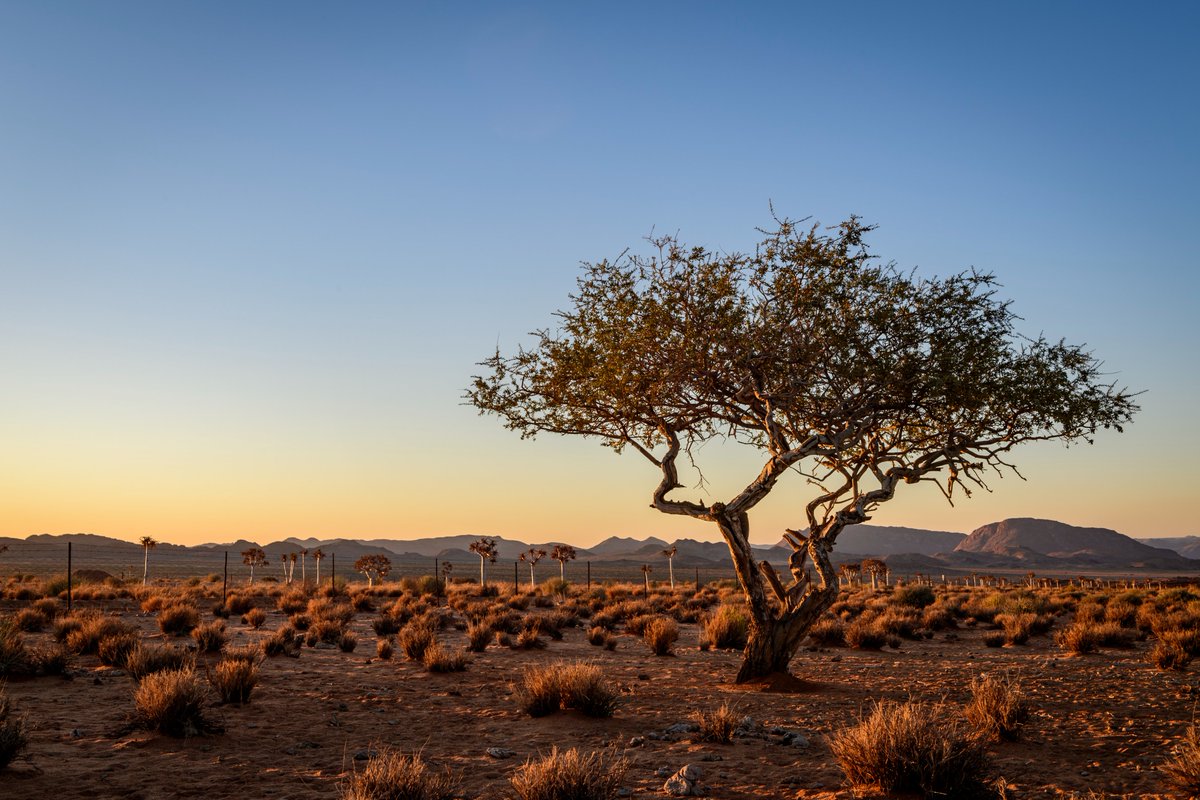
(1101, 723)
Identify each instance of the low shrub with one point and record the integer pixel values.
(911, 747)
(530, 639)
(726, 628)
(93, 628)
(914, 596)
(570, 775)
(392, 775)
(579, 686)
(865, 634)
(828, 632)
(997, 708)
(324, 631)
(171, 702)
(347, 642)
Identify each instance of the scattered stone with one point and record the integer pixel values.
(663, 772)
(343, 707)
(364, 755)
(794, 739)
(711, 757)
(836, 659)
(684, 783)
(501, 752)
(75, 734)
(642, 676)
(683, 727)
(624, 791)
(637, 741)
(654, 735)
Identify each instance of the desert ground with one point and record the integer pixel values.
(1100, 725)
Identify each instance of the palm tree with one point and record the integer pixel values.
(303, 561)
(148, 544)
(485, 548)
(670, 554)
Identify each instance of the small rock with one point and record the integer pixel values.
(624, 791)
(777, 730)
(642, 676)
(75, 734)
(501, 752)
(363, 755)
(678, 787)
(654, 735)
(663, 772)
(711, 757)
(343, 707)
(691, 773)
(683, 727)
(637, 741)
(794, 739)
(836, 659)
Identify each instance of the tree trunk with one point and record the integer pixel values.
(145, 565)
(775, 632)
(532, 585)
(671, 571)
(481, 583)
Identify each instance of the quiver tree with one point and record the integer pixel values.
(148, 544)
(485, 548)
(670, 554)
(317, 555)
(875, 569)
(562, 553)
(253, 557)
(532, 556)
(840, 369)
(374, 567)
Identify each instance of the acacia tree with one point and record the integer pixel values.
(375, 567)
(253, 557)
(532, 556)
(148, 544)
(562, 553)
(485, 548)
(855, 375)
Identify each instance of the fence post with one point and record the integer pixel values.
(697, 579)
(68, 577)
(589, 573)
(333, 570)
(437, 578)
(516, 584)
(225, 581)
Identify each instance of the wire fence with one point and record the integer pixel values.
(89, 563)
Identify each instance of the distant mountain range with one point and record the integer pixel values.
(1019, 544)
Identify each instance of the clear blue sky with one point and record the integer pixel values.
(250, 253)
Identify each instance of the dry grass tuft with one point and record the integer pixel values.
(391, 775)
(178, 620)
(234, 679)
(210, 637)
(171, 702)
(660, 634)
(145, 660)
(255, 618)
(570, 775)
(1183, 769)
(14, 736)
(440, 659)
(547, 688)
(997, 709)
(716, 725)
(415, 639)
(726, 628)
(911, 747)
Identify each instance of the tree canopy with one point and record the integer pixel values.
(855, 374)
